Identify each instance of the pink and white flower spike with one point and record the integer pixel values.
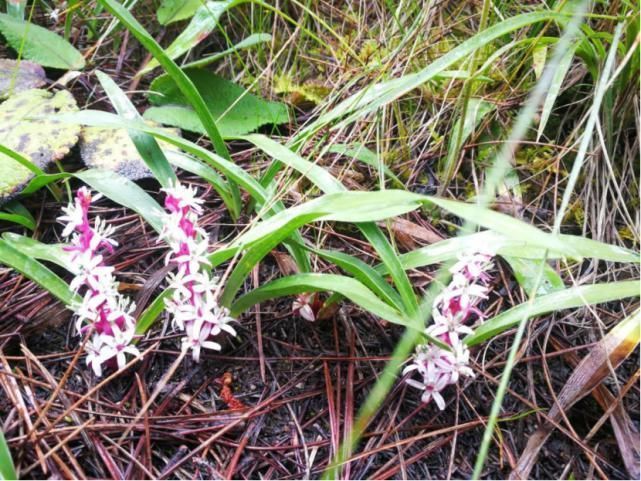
(439, 367)
(193, 304)
(103, 310)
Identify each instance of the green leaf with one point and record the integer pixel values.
(252, 256)
(476, 111)
(204, 20)
(137, 150)
(40, 45)
(175, 10)
(42, 180)
(35, 271)
(539, 55)
(210, 175)
(355, 206)
(527, 271)
(17, 213)
(363, 273)
(320, 177)
(390, 258)
(566, 299)
(506, 246)
(236, 111)
(300, 283)
(7, 471)
(126, 193)
(54, 253)
(96, 118)
(38, 142)
(555, 87)
(230, 169)
(19, 75)
(153, 311)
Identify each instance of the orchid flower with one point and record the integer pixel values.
(193, 304)
(439, 367)
(102, 309)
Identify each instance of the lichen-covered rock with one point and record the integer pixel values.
(19, 76)
(25, 130)
(113, 149)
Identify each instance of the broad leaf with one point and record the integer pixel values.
(236, 111)
(40, 45)
(175, 10)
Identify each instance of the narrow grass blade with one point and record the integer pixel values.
(39, 250)
(475, 111)
(153, 311)
(35, 271)
(96, 118)
(7, 471)
(18, 214)
(316, 174)
(189, 164)
(365, 155)
(555, 88)
(146, 145)
(588, 131)
(43, 180)
(228, 168)
(363, 273)
(569, 298)
(390, 258)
